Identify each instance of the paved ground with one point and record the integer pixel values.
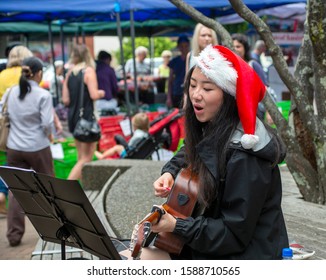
(22, 252)
(305, 221)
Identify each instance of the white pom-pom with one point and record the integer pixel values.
(248, 141)
(217, 68)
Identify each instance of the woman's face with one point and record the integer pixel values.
(141, 56)
(239, 48)
(205, 37)
(166, 59)
(38, 76)
(206, 97)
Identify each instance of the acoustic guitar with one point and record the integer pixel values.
(180, 203)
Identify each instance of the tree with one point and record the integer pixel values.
(305, 132)
(160, 43)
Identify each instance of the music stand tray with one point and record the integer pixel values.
(60, 211)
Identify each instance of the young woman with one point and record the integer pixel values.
(71, 94)
(238, 213)
(163, 69)
(203, 36)
(31, 120)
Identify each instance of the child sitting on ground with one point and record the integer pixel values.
(140, 126)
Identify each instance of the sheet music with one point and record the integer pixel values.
(57, 151)
(125, 126)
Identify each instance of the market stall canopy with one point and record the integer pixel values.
(105, 10)
(150, 28)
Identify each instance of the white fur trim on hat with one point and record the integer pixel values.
(248, 141)
(217, 68)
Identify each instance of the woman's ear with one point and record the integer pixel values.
(39, 75)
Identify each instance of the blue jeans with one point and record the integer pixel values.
(3, 188)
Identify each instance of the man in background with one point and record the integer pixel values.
(259, 48)
(177, 74)
(143, 68)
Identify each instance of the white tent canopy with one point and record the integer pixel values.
(289, 11)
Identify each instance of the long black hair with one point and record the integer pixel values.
(30, 67)
(220, 129)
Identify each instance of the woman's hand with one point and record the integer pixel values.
(167, 223)
(51, 138)
(101, 93)
(163, 185)
(57, 124)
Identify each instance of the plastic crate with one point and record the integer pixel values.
(62, 167)
(3, 158)
(110, 121)
(284, 108)
(114, 129)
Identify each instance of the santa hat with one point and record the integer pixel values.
(235, 76)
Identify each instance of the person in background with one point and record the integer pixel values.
(164, 69)
(235, 158)
(10, 76)
(56, 83)
(82, 63)
(31, 119)
(177, 74)
(140, 127)
(259, 49)
(143, 68)
(3, 65)
(107, 81)
(242, 48)
(202, 37)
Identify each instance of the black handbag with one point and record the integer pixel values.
(85, 130)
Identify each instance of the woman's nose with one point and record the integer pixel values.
(197, 94)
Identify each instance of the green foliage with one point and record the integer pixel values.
(237, 28)
(159, 44)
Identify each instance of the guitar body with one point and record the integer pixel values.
(180, 203)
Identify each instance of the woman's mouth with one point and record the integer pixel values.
(198, 109)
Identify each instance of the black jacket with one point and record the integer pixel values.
(247, 222)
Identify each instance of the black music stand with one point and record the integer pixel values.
(60, 211)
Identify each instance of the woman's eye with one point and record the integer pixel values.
(192, 85)
(207, 89)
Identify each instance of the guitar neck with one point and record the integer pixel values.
(152, 217)
(173, 212)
